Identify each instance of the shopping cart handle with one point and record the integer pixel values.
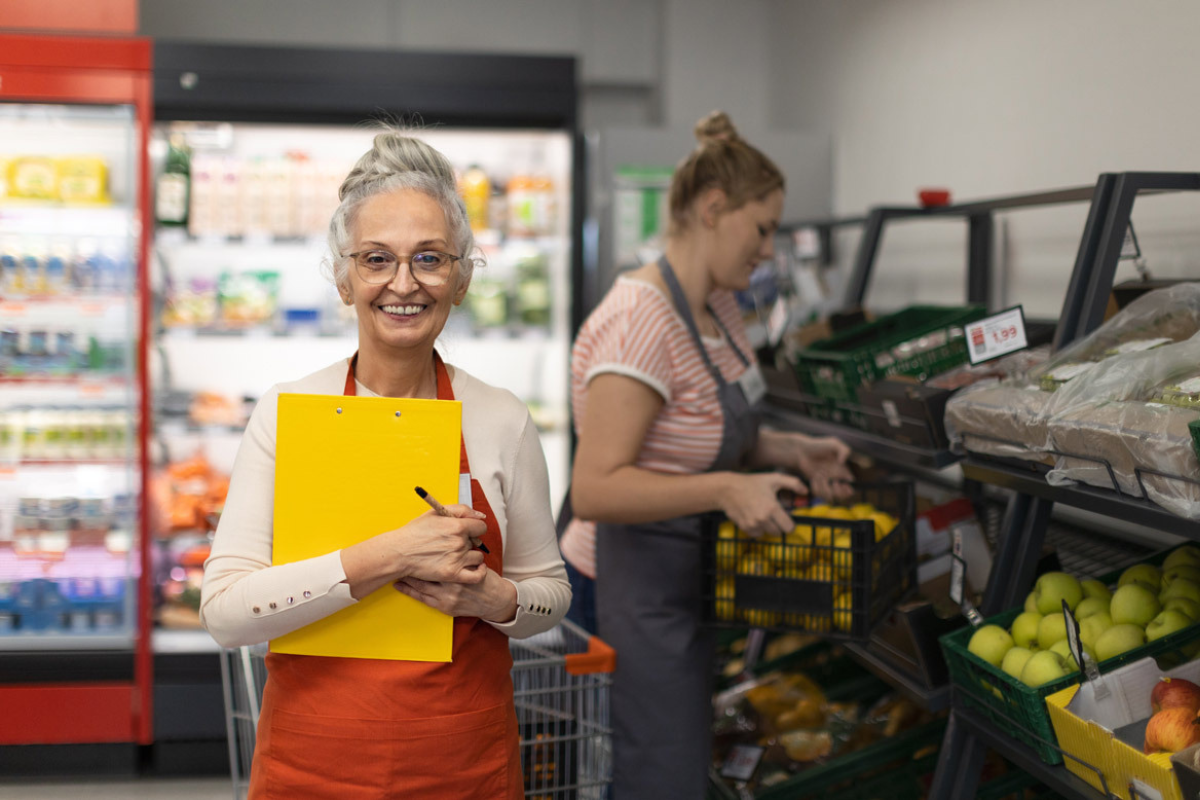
(598, 658)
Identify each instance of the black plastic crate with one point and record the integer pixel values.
(830, 575)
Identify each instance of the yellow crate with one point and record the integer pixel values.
(1084, 728)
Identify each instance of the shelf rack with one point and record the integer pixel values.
(1026, 519)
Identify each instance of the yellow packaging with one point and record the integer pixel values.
(1085, 725)
(82, 179)
(32, 178)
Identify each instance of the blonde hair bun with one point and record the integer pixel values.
(716, 127)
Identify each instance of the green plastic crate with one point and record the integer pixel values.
(834, 368)
(1194, 427)
(828, 664)
(1019, 710)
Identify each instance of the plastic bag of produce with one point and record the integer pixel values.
(1131, 415)
(1000, 419)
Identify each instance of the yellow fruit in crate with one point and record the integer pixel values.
(819, 571)
(801, 535)
(771, 548)
(838, 512)
(884, 524)
(842, 618)
(728, 548)
(843, 559)
(757, 618)
(753, 564)
(724, 599)
(819, 510)
(862, 510)
(822, 538)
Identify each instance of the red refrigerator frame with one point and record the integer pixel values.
(94, 70)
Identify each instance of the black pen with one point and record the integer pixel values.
(441, 511)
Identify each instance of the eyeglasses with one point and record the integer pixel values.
(428, 268)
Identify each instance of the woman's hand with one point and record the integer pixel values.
(437, 548)
(431, 547)
(823, 461)
(484, 594)
(751, 500)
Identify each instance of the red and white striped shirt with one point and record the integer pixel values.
(635, 331)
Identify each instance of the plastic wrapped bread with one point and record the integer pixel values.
(1000, 419)
(1129, 436)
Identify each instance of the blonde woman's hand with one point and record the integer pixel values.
(484, 594)
(751, 500)
(823, 461)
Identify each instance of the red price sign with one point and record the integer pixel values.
(996, 335)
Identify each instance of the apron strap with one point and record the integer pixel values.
(685, 312)
(445, 391)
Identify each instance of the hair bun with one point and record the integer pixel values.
(716, 127)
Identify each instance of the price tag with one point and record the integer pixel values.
(1129, 245)
(958, 571)
(742, 761)
(997, 335)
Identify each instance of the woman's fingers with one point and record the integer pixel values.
(464, 512)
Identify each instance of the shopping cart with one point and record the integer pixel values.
(561, 682)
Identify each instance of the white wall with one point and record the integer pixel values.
(994, 98)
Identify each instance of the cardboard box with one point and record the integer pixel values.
(906, 411)
(1187, 770)
(1103, 738)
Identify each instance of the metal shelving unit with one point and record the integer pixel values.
(1027, 516)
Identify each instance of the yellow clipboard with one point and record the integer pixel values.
(345, 470)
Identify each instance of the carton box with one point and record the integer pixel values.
(1102, 737)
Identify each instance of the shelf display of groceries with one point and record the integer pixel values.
(243, 212)
(837, 572)
(1007, 668)
(68, 396)
(1115, 410)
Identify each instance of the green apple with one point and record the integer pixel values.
(1043, 667)
(1052, 628)
(1054, 587)
(1094, 588)
(1189, 571)
(1185, 605)
(1014, 661)
(1118, 639)
(1090, 605)
(1091, 627)
(1181, 587)
(1063, 648)
(1134, 604)
(990, 643)
(1188, 554)
(1025, 628)
(1166, 623)
(1031, 603)
(1147, 574)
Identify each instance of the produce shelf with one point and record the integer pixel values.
(932, 699)
(892, 453)
(1024, 757)
(1102, 501)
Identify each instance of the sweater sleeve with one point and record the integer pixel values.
(532, 561)
(245, 600)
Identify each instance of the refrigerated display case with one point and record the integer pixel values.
(74, 120)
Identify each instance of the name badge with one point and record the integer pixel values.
(754, 387)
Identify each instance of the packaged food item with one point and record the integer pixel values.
(1062, 373)
(83, 179)
(476, 191)
(1185, 393)
(247, 298)
(32, 178)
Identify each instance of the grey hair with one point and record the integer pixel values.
(397, 161)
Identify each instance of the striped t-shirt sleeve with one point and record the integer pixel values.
(629, 341)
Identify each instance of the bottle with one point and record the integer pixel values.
(476, 192)
(172, 189)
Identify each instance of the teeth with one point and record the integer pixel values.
(403, 310)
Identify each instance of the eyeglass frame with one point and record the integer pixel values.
(453, 260)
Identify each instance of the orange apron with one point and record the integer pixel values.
(366, 729)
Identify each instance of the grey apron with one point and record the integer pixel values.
(648, 609)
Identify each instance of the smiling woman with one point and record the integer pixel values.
(402, 253)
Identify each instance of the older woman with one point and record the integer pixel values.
(364, 728)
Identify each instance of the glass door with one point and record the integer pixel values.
(69, 395)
